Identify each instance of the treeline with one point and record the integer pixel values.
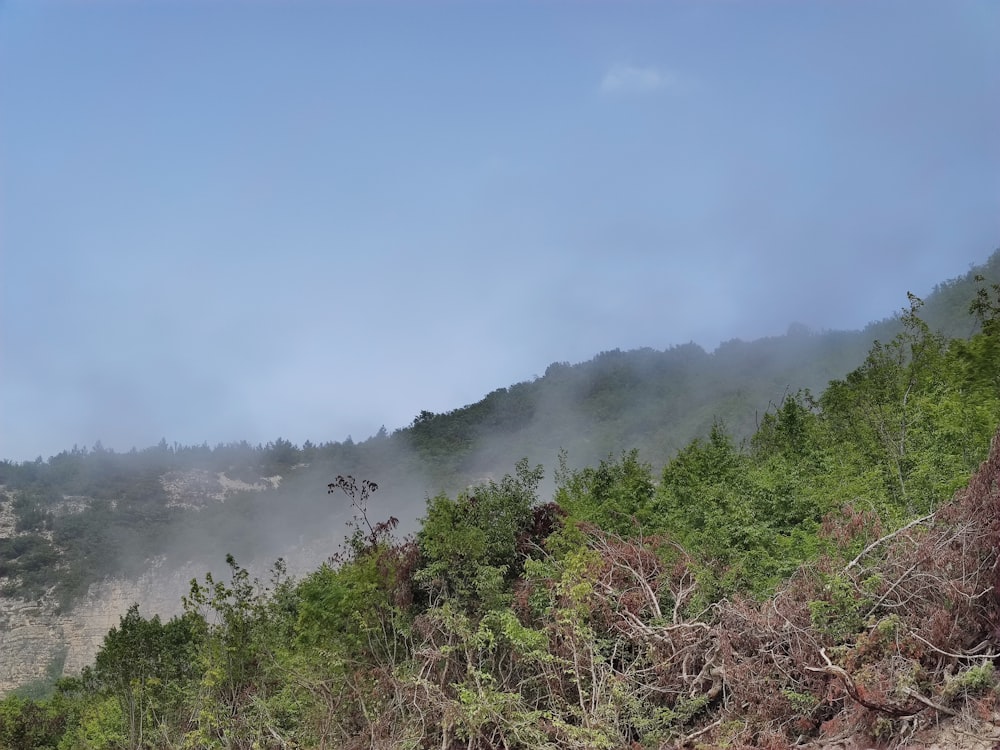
(655, 400)
(99, 471)
(829, 575)
(118, 515)
(84, 515)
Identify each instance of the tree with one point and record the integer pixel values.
(877, 407)
(242, 631)
(980, 356)
(470, 545)
(616, 495)
(146, 665)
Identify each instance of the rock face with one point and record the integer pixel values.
(39, 643)
(158, 592)
(198, 488)
(7, 520)
(31, 643)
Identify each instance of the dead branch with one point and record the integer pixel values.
(703, 730)
(887, 537)
(972, 654)
(852, 690)
(929, 703)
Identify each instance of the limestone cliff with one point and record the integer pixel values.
(38, 642)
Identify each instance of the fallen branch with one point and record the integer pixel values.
(700, 732)
(886, 538)
(972, 654)
(852, 690)
(929, 703)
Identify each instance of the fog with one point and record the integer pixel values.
(231, 221)
(169, 513)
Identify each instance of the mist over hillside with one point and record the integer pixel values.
(536, 376)
(659, 400)
(85, 514)
(753, 563)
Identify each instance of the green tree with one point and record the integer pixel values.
(616, 495)
(147, 665)
(30, 725)
(877, 408)
(743, 518)
(470, 546)
(243, 628)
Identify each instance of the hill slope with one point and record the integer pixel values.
(89, 516)
(832, 576)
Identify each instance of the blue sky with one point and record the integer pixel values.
(243, 220)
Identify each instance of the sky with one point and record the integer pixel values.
(229, 220)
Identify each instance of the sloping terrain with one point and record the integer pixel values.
(820, 580)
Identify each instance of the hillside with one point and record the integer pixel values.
(90, 530)
(829, 580)
(657, 401)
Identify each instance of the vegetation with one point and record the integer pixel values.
(834, 572)
(92, 512)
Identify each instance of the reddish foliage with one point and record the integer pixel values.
(398, 564)
(850, 525)
(545, 520)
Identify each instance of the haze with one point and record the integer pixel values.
(238, 221)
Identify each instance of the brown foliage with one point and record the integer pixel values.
(926, 600)
(873, 644)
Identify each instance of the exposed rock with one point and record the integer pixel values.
(158, 592)
(30, 642)
(7, 517)
(37, 641)
(72, 504)
(197, 488)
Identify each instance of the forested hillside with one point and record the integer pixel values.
(657, 401)
(833, 572)
(88, 513)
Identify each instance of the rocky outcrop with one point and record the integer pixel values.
(31, 643)
(158, 592)
(39, 642)
(198, 488)
(7, 519)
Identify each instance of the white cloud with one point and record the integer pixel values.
(629, 79)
